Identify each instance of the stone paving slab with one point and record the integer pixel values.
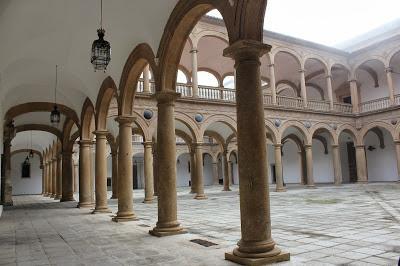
(346, 225)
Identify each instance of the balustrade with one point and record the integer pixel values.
(374, 105)
(319, 105)
(343, 108)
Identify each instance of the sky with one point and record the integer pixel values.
(328, 22)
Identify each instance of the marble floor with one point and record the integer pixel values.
(346, 225)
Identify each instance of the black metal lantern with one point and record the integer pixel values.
(101, 49)
(31, 154)
(55, 115)
(26, 162)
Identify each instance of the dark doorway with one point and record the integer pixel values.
(347, 99)
(135, 176)
(273, 171)
(351, 155)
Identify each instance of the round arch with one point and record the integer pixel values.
(299, 126)
(87, 118)
(365, 129)
(27, 151)
(326, 128)
(190, 124)
(39, 127)
(107, 92)
(275, 51)
(143, 126)
(230, 122)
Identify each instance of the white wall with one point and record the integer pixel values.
(381, 163)
(291, 163)
(182, 171)
(368, 91)
(322, 163)
(32, 185)
(344, 161)
(270, 160)
(140, 170)
(207, 170)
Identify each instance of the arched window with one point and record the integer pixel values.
(181, 77)
(229, 82)
(207, 79)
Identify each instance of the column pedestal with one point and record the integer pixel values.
(125, 175)
(167, 223)
(256, 245)
(101, 205)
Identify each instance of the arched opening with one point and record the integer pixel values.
(347, 140)
(380, 155)
(233, 164)
(340, 84)
(316, 79)
(394, 65)
(323, 171)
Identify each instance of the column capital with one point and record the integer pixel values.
(194, 51)
(148, 144)
(397, 142)
(335, 146)
(307, 146)
(271, 65)
(278, 145)
(389, 70)
(246, 48)
(125, 119)
(352, 80)
(100, 133)
(85, 142)
(166, 96)
(302, 70)
(329, 76)
(359, 146)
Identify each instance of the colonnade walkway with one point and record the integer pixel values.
(352, 224)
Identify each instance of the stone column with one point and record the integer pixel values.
(85, 197)
(43, 177)
(198, 176)
(125, 172)
(59, 176)
(146, 79)
(354, 95)
(226, 171)
(278, 168)
(397, 145)
(67, 177)
(45, 169)
(361, 164)
(148, 173)
(337, 166)
(195, 83)
(256, 245)
(215, 172)
(76, 177)
(303, 87)
(330, 91)
(101, 205)
(50, 180)
(389, 78)
(54, 176)
(192, 170)
(114, 177)
(167, 223)
(309, 162)
(155, 169)
(272, 83)
(6, 195)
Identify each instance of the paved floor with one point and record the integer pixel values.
(347, 225)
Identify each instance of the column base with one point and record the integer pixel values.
(311, 186)
(44, 194)
(200, 197)
(52, 196)
(8, 203)
(102, 210)
(124, 218)
(148, 201)
(226, 189)
(85, 205)
(338, 184)
(114, 197)
(57, 197)
(362, 182)
(280, 189)
(162, 232)
(258, 259)
(66, 199)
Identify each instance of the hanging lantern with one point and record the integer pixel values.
(26, 162)
(101, 49)
(55, 116)
(31, 154)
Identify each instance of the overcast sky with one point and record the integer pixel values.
(329, 22)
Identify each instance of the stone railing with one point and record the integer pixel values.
(229, 95)
(374, 105)
(343, 108)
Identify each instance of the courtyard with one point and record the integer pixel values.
(331, 225)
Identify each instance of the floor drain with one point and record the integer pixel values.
(144, 225)
(202, 242)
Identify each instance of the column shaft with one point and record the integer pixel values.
(256, 244)
(330, 91)
(6, 197)
(67, 177)
(125, 173)
(76, 177)
(278, 168)
(272, 83)
(146, 79)
(397, 145)
(50, 181)
(193, 180)
(167, 223)
(227, 177)
(390, 84)
(310, 169)
(59, 176)
(114, 177)
(354, 95)
(361, 164)
(85, 197)
(337, 166)
(195, 83)
(215, 173)
(198, 156)
(303, 87)
(148, 173)
(54, 176)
